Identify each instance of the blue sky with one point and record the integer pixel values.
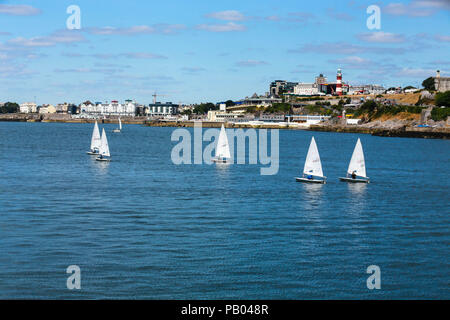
(198, 51)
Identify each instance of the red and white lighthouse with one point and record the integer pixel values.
(339, 83)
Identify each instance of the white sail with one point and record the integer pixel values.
(96, 139)
(357, 163)
(120, 124)
(313, 166)
(104, 148)
(222, 147)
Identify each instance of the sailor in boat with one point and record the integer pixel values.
(354, 175)
(309, 177)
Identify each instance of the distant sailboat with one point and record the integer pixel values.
(312, 172)
(357, 166)
(95, 141)
(222, 147)
(104, 154)
(120, 127)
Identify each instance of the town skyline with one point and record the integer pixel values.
(198, 52)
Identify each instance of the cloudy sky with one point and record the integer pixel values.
(199, 50)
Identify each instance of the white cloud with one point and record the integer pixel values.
(331, 12)
(129, 55)
(352, 62)
(134, 30)
(415, 73)
(229, 27)
(62, 36)
(303, 17)
(228, 15)
(346, 48)
(251, 63)
(19, 10)
(381, 37)
(143, 55)
(442, 38)
(193, 69)
(417, 8)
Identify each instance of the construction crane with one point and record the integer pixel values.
(155, 95)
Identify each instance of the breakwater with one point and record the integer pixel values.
(404, 131)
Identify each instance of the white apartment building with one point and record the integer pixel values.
(114, 108)
(28, 107)
(306, 89)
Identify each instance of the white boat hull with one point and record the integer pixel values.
(351, 180)
(103, 159)
(306, 180)
(92, 153)
(220, 160)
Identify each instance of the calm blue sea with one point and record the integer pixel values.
(141, 227)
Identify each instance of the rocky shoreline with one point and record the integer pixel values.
(402, 132)
(382, 129)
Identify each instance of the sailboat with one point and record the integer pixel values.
(120, 127)
(104, 154)
(95, 140)
(356, 172)
(222, 148)
(312, 172)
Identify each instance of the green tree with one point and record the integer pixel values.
(230, 103)
(428, 83)
(10, 107)
(203, 108)
(443, 99)
(440, 114)
(279, 108)
(369, 107)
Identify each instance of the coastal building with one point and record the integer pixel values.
(441, 84)
(221, 116)
(272, 117)
(46, 109)
(162, 109)
(307, 119)
(279, 87)
(321, 79)
(62, 108)
(28, 107)
(366, 89)
(306, 89)
(114, 108)
(258, 101)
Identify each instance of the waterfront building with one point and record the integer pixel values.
(62, 108)
(28, 107)
(366, 89)
(306, 89)
(221, 116)
(162, 109)
(307, 119)
(258, 101)
(114, 108)
(441, 84)
(279, 87)
(46, 109)
(321, 79)
(268, 117)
